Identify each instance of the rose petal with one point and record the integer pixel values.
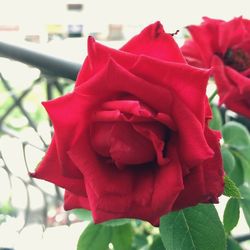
(100, 133)
(231, 33)
(167, 185)
(193, 146)
(97, 172)
(121, 80)
(135, 108)
(205, 37)
(229, 90)
(129, 147)
(65, 121)
(241, 82)
(181, 79)
(223, 83)
(194, 189)
(84, 73)
(192, 53)
(204, 182)
(128, 106)
(154, 42)
(214, 175)
(72, 201)
(98, 56)
(157, 134)
(50, 170)
(122, 143)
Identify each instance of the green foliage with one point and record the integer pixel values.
(231, 214)
(83, 214)
(245, 192)
(95, 237)
(157, 244)
(140, 241)
(228, 160)
(230, 189)
(236, 152)
(122, 237)
(245, 205)
(99, 236)
(235, 135)
(117, 222)
(236, 160)
(216, 122)
(195, 228)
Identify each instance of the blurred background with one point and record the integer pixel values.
(42, 44)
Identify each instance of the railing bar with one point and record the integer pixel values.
(242, 238)
(46, 63)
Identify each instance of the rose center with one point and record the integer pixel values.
(237, 59)
(124, 144)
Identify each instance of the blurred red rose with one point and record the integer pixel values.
(225, 46)
(132, 139)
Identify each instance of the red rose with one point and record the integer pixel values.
(132, 139)
(225, 46)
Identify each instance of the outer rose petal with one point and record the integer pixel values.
(98, 56)
(247, 24)
(72, 201)
(65, 121)
(154, 42)
(231, 33)
(205, 37)
(204, 183)
(241, 82)
(179, 79)
(232, 87)
(192, 53)
(114, 79)
(50, 170)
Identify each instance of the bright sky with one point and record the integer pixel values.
(174, 14)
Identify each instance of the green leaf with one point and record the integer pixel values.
(233, 244)
(231, 214)
(95, 237)
(235, 135)
(140, 241)
(245, 204)
(230, 189)
(195, 228)
(216, 122)
(122, 237)
(157, 244)
(245, 192)
(83, 214)
(237, 175)
(228, 160)
(245, 165)
(116, 222)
